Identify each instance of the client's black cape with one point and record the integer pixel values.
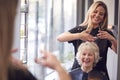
(78, 74)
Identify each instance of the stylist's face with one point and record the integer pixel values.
(97, 15)
(87, 58)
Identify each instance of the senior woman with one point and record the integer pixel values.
(87, 57)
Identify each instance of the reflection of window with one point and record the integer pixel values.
(23, 31)
(40, 25)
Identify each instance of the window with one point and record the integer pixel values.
(24, 31)
(41, 23)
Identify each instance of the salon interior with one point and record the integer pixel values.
(39, 22)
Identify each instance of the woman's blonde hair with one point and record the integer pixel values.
(7, 17)
(92, 47)
(87, 22)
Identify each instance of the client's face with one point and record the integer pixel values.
(87, 58)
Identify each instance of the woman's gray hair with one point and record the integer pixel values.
(92, 47)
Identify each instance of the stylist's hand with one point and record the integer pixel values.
(105, 35)
(85, 36)
(48, 60)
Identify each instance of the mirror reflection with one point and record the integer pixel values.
(43, 21)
